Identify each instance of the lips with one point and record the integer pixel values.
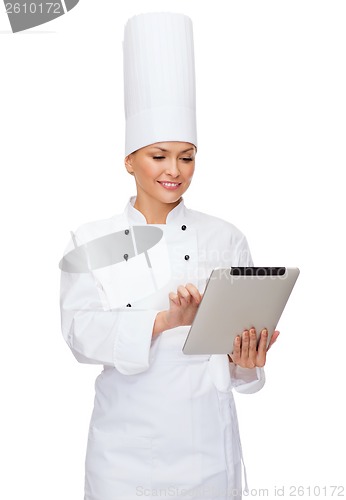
(169, 185)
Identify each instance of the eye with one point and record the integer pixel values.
(158, 157)
(187, 159)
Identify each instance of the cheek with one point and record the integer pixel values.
(189, 173)
(148, 170)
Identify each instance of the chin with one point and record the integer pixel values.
(170, 199)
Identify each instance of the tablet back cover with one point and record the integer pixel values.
(232, 304)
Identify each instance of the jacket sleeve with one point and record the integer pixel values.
(227, 376)
(247, 380)
(117, 337)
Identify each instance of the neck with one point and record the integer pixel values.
(154, 211)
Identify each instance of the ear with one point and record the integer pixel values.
(128, 164)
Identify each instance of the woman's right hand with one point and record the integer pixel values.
(183, 306)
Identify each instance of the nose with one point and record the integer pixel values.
(172, 168)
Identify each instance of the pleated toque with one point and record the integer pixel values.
(159, 80)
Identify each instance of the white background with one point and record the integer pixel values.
(271, 83)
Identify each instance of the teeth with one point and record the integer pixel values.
(169, 184)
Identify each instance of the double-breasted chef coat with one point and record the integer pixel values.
(164, 424)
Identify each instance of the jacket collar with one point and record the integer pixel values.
(134, 216)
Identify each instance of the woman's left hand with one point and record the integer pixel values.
(245, 353)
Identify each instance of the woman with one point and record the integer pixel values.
(164, 423)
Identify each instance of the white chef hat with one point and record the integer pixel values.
(159, 80)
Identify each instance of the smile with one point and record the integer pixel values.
(169, 185)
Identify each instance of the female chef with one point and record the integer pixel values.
(164, 423)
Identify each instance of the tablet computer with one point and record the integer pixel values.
(236, 299)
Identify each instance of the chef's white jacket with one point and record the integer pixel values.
(164, 423)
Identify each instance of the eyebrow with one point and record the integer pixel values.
(165, 150)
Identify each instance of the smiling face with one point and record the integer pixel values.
(163, 171)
